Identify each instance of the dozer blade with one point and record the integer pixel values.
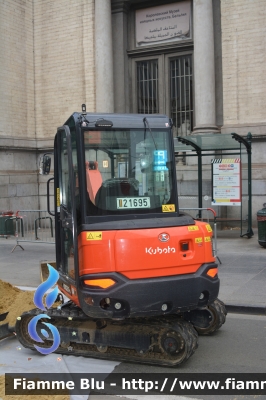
(5, 330)
(44, 271)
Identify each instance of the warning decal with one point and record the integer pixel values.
(209, 228)
(198, 240)
(94, 235)
(193, 228)
(168, 208)
(58, 199)
(207, 239)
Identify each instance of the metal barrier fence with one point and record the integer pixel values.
(34, 225)
(38, 225)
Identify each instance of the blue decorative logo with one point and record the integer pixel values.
(50, 299)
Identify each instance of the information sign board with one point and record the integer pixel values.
(226, 182)
(166, 22)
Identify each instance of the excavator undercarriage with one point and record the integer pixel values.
(166, 340)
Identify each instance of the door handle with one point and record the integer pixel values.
(67, 223)
(66, 218)
(48, 197)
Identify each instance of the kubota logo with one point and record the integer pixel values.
(163, 237)
(159, 250)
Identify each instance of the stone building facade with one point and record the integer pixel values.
(115, 56)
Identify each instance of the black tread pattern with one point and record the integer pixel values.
(155, 327)
(218, 312)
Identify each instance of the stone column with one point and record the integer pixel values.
(120, 39)
(204, 70)
(104, 57)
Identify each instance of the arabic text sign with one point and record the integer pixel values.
(226, 178)
(163, 23)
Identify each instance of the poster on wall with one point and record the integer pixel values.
(168, 22)
(226, 182)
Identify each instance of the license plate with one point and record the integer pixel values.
(133, 202)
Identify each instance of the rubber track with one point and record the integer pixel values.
(218, 312)
(155, 327)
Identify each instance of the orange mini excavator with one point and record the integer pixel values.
(140, 276)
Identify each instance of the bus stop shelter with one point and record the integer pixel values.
(218, 145)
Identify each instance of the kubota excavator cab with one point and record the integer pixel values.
(123, 249)
(140, 275)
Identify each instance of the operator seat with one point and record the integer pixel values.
(93, 178)
(113, 188)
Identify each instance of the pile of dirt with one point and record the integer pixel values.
(15, 301)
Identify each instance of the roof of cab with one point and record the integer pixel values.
(126, 120)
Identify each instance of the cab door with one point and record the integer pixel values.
(66, 203)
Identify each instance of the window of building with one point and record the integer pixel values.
(147, 87)
(160, 51)
(165, 85)
(181, 94)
